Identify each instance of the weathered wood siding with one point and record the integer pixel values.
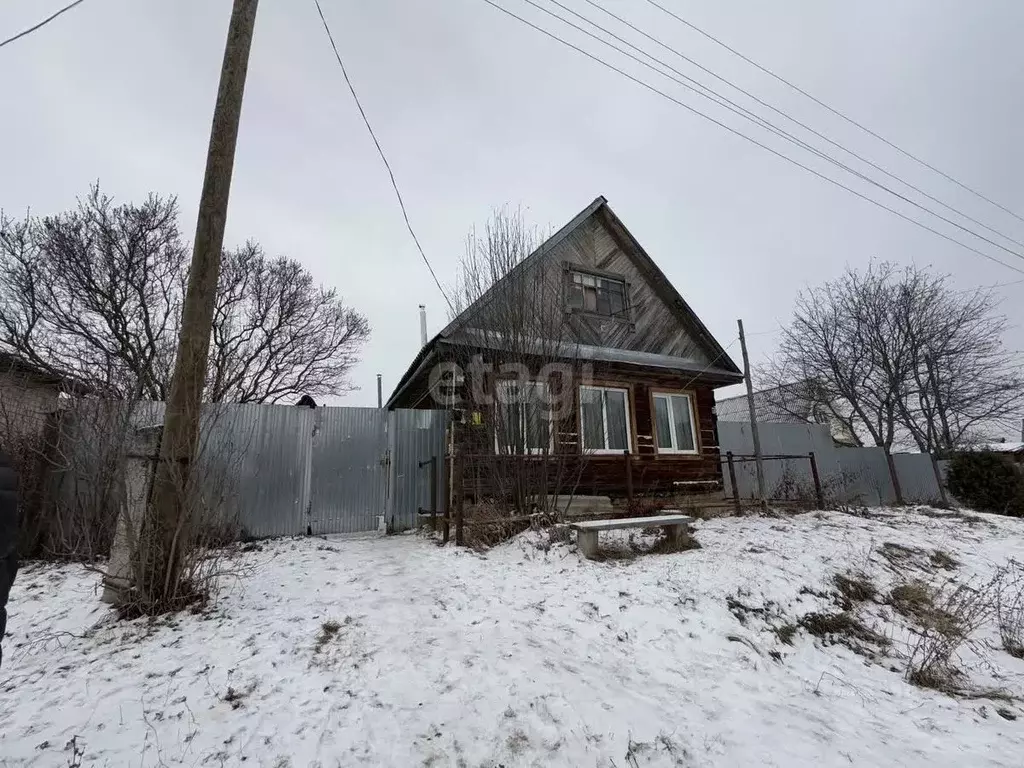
(603, 474)
(652, 324)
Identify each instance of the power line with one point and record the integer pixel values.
(380, 151)
(761, 122)
(775, 109)
(833, 110)
(742, 135)
(42, 23)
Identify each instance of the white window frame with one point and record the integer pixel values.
(673, 437)
(604, 420)
(546, 415)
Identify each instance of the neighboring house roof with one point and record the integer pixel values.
(721, 369)
(779, 405)
(1001, 447)
(11, 364)
(785, 404)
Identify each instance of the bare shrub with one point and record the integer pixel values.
(947, 619)
(797, 487)
(139, 576)
(1010, 611)
(489, 523)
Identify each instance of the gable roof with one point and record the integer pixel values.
(721, 364)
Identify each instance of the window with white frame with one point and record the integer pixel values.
(522, 421)
(604, 419)
(600, 295)
(674, 423)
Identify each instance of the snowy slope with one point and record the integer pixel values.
(517, 657)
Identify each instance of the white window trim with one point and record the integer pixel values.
(551, 424)
(604, 421)
(673, 438)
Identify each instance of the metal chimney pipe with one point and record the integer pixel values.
(423, 325)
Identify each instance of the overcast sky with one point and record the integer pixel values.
(475, 111)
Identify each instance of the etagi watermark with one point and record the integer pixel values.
(552, 385)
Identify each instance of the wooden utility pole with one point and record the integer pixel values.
(165, 522)
(753, 420)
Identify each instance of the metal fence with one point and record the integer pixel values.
(280, 470)
(852, 475)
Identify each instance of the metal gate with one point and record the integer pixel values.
(369, 469)
(346, 473)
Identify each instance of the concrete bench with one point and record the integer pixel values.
(586, 532)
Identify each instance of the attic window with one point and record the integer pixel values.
(600, 295)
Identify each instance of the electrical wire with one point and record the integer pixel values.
(778, 111)
(42, 23)
(833, 110)
(383, 157)
(742, 135)
(711, 365)
(758, 120)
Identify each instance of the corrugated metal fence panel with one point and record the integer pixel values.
(414, 437)
(917, 477)
(253, 458)
(782, 476)
(347, 471)
(854, 475)
(267, 447)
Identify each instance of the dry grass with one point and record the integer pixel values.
(844, 629)
(328, 631)
(943, 560)
(854, 587)
(900, 556)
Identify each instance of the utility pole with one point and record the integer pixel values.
(753, 420)
(380, 393)
(166, 521)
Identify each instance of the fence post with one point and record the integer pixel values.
(938, 479)
(629, 475)
(459, 469)
(432, 509)
(818, 495)
(732, 482)
(446, 529)
(897, 488)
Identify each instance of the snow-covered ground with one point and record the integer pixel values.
(520, 656)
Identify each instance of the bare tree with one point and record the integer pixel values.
(519, 357)
(94, 294)
(896, 356)
(278, 335)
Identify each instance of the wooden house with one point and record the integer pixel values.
(583, 355)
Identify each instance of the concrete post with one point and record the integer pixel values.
(140, 459)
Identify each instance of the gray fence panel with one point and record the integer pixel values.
(782, 476)
(855, 475)
(266, 447)
(414, 437)
(347, 470)
(867, 476)
(917, 477)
